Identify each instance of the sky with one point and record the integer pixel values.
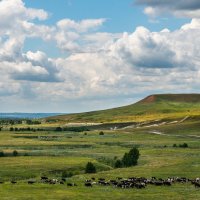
(75, 56)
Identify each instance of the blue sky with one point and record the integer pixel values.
(122, 15)
(75, 55)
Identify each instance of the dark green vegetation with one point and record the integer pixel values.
(164, 128)
(154, 107)
(129, 159)
(90, 168)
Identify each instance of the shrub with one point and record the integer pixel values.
(118, 164)
(58, 129)
(90, 168)
(11, 129)
(184, 145)
(15, 153)
(131, 158)
(66, 174)
(174, 145)
(101, 133)
(2, 154)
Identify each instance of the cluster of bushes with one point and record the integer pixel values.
(26, 129)
(66, 174)
(32, 122)
(72, 129)
(18, 121)
(129, 159)
(14, 153)
(10, 121)
(184, 145)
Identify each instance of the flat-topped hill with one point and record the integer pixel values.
(153, 107)
(186, 98)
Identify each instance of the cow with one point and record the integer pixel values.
(13, 182)
(88, 184)
(31, 182)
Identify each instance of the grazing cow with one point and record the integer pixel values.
(196, 184)
(31, 182)
(44, 178)
(71, 184)
(102, 179)
(167, 183)
(140, 185)
(197, 179)
(88, 184)
(13, 182)
(158, 183)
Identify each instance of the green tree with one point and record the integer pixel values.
(15, 153)
(2, 154)
(131, 158)
(118, 164)
(90, 168)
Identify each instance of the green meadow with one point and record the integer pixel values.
(52, 154)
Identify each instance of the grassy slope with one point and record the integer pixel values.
(151, 108)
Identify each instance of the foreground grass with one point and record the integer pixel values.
(39, 191)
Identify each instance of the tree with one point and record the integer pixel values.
(15, 153)
(59, 129)
(90, 168)
(2, 154)
(174, 145)
(131, 158)
(118, 164)
(101, 133)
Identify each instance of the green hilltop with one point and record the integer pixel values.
(153, 107)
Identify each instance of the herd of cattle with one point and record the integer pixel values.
(132, 182)
(141, 182)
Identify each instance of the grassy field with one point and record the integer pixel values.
(53, 153)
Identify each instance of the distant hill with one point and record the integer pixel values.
(153, 107)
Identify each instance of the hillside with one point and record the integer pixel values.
(153, 107)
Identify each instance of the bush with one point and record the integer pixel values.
(174, 145)
(58, 129)
(66, 174)
(90, 168)
(131, 158)
(118, 164)
(2, 154)
(101, 133)
(11, 129)
(15, 153)
(184, 145)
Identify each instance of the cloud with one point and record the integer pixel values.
(71, 35)
(181, 8)
(96, 66)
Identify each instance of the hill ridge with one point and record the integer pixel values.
(153, 107)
